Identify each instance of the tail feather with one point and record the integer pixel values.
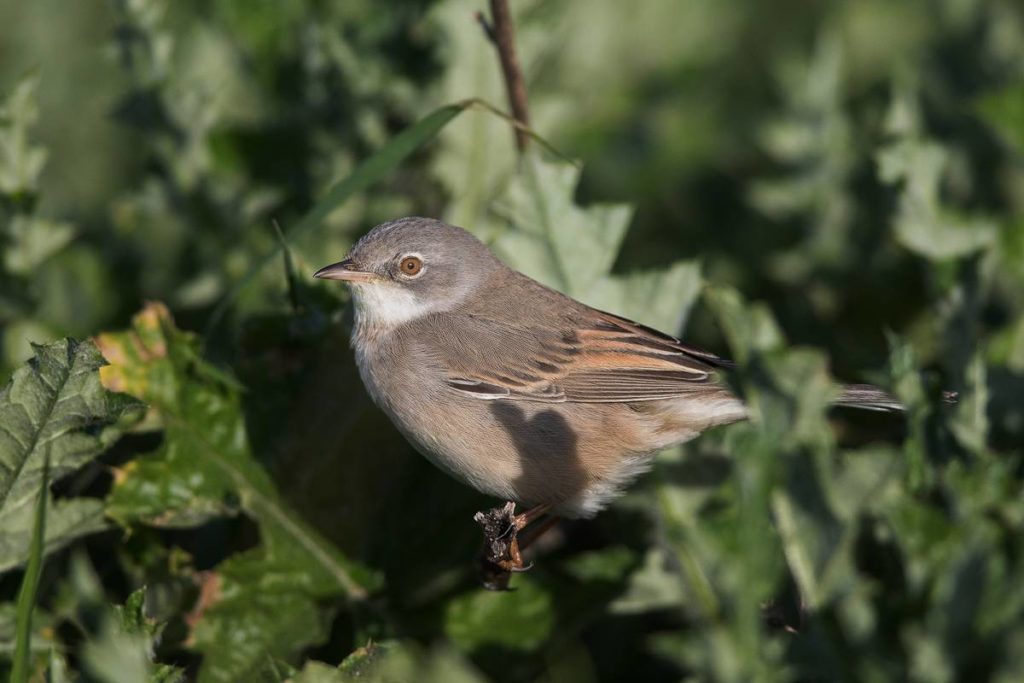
(868, 397)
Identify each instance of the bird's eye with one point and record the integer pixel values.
(410, 266)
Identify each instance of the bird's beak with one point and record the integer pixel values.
(345, 270)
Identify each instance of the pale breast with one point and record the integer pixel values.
(458, 436)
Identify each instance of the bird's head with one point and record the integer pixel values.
(411, 267)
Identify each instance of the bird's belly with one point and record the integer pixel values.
(453, 437)
(576, 457)
(522, 451)
(457, 440)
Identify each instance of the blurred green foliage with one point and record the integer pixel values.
(818, 190)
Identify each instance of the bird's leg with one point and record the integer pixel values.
(530, 515)
(534, 534)
(516, 547)
(502, 551)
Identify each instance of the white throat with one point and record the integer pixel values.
(382, 306)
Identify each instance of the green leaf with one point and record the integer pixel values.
(788, 392)
(259, 607)
(1004, 110)
(31, 241)
(387, 662)
(42, 633)
(814, 142)
(54, 407)
(552, 239)
(651, 587)
(20, 161)
(970, 421)
(906, 382)
(66, 520)
(118, 657)
(748, 329)
(361, 665)
(263, 603)
(362, 661)
(923, 223)
(546, 235)
(519, 620)
(120, 639)
(318, 672)
(30, 583)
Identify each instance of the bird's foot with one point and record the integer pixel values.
(501, 555)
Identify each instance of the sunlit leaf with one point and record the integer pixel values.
(53, 408)
(545, 234)
(66, 520)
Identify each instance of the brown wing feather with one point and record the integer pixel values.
(600, 358)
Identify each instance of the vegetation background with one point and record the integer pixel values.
(222, 502)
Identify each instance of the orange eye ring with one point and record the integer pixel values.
(410, 266)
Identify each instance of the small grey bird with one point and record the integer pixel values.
(514, 388)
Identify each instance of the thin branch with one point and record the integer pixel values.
(501, 33)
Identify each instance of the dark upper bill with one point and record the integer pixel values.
(344, 270)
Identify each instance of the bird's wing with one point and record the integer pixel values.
(595, 358)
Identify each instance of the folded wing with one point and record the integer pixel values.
(598, 358)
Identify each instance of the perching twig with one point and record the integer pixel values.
(501, 555)
(500, 32)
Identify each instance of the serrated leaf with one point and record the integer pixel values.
(264, 602)
(520, 620)
(923, 223)
(121, 650)
(553, 240)
(54, 407)
(20, 161)
(363, 664)
(32, 240)
(546, 235)
(814, 142)
(362, 661)
(117, 657)
(66, 520)
(259, 608)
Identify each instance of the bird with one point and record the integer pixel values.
(516, 389)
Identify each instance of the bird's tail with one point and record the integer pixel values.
(868, 397)
(871, 397)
